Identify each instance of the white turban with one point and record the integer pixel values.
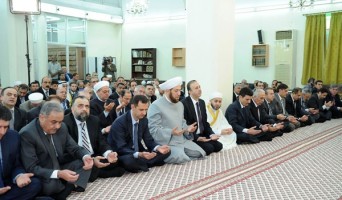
(215, 95)
(171, 83)
(16, 83)
(36, 97)
(100, 84)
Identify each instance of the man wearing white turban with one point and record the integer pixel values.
(219, 123)
(168, 126)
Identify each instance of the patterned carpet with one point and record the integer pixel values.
(304, 164)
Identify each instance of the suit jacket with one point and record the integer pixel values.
(97, 141)
(121, 135)
(20, 118)
(11, 164)
(271, 118)
(291, 109)
(315, 102)
(51, 91)
(124, 110)
(114, 95)
(38, 154)
(191, 117)
(277, 106)
(97, 108)
(238, 120)
(234, 97)
(17, 104)
(262, 117)
(335, 99)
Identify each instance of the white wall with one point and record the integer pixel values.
(269, 22)
(104, 39)
(163, 35)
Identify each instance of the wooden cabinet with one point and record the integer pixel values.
(260, 55)
(178, 57)
(144, 63)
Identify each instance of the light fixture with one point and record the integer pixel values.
(301, 3)
(137, 7)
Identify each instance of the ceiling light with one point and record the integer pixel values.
(301, 3)
(137, 7)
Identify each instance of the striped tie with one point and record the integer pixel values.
(85, 142)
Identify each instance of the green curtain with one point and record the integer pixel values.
(314, 47)
(333, 63)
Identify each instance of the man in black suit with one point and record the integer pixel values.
(259, 113)
(118, 89)
(150, 93)
(22, 94)
(9, 98)
(317, 101)
(126, 135)
(293, 107)
(195, 112)
(103, 107)
(62, 94)
(317, 86)
(45, 142)
(123, 104)
(85, 130)
(15, 183)
(236, 92)
(247, 129)
(45, 88)
(334, 97)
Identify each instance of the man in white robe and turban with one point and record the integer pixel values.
(219, 123)
(168, 126)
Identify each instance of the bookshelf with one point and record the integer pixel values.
(144, 63)
(178, 57)
(260, 55)
(61, 57)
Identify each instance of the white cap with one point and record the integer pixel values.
(171, 83)
(35, 97)
(100, 84)
(16, 83)
(215, 95)
(109, 76)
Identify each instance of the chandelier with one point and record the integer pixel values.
(137, 7)
(301, 3)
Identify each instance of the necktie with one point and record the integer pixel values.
(12, 120)
(135, 137)
(85, 142)
(258, 114)
(283, 105)
(47, 93)
(64, 105)
(200, 122)
(53, 145)
(269, 109)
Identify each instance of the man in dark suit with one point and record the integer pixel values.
(45, 142)
(273, 115)
(22, 95)
(259, 113)
(317, 86)
(85, 130)
(14, 182)
(126, 135)
(236, 92)
(62, 94)
(45, 88)
(247, 129)
(334, 97)
(195, 112)
(103, 107)
(9, 99)
(293, 107)
(122, 104)
(317, 101)
(118, 89)
(150, 93)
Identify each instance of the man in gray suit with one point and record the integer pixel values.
(44, 145)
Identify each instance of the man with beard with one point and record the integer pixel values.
(168, 126)
(85, 130)
(318, 101)
(195, 112)
(219, 123)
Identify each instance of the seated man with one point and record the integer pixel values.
(247, 129)
(293, 107)
(45, 142)
(195, 112)
(123, 102)
(336, 108)
(313, 113)
(85, 130)
(14, 182)
(317, 101)
(219, 123)
(317, 86)
(126, 135)
(259, 113)
(168, 126)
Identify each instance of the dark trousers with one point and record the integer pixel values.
(210, 146)
(112, 170)
(27, 192)
(135, 165)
